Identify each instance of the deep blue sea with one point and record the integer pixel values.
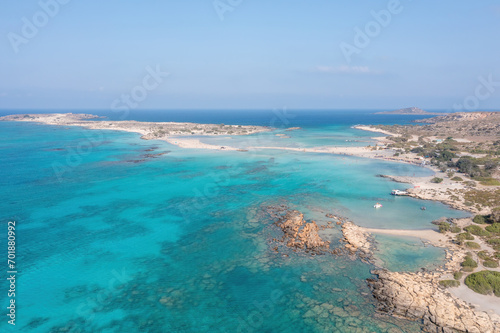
(110, 240)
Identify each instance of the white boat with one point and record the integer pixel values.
(377, 205)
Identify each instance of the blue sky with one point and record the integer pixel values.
(263, 54)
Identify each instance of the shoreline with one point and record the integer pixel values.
(176, 133)
(426, 235)
(422, 187)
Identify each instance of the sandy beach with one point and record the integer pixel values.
(433, 237)
(374, 129)
(195, 144)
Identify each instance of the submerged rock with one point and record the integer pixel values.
(301, 234)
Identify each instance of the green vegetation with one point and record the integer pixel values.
(471, 166)
(466, 236)
(483, 197)
(473, 245)
(477, 230)
(484, 282)
(462, 237)
(444, 227)
(479, 219)
(436, 180)
(457, 275)
(449, 283)
(494, 228)
(494, 241)
(469, 263)
(483, 255)
(488, 181)
(490, 263)
(457, 179)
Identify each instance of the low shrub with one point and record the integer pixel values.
(462, 237)
(436, 180)
(479, 219)
(477, 230)
(494, 228)
(457, 179)
(484, 282)
(444, 227)
(473, 245)
(449, 283)
(483, 255)
(455, 229)
(487, 181)
(490, 263)
(466, 236)
(469, 262)
(457, 275)
(494, 241)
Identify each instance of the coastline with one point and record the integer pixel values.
(425, 187)
(175, 133)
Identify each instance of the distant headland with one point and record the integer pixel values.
(411, 111)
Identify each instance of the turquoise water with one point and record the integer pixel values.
(400, 254)
(109, 240)
(332, 135)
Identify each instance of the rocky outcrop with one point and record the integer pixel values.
(356, 239)
(417, 296)
(300, 234)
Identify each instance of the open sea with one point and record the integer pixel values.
(109, 239)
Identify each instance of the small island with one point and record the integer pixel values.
(413, 111)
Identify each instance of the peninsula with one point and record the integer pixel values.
(172, 132)
(414, 111)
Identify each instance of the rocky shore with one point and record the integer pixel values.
(449, 192)
(356, 239)
(418, 296)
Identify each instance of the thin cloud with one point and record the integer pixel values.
(358, 70)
